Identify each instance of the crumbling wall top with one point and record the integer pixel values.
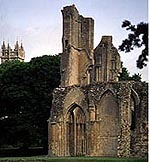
(106, 40)
(69, 9)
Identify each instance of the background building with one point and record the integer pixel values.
(8, 54)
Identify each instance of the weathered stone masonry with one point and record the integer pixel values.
(108, 131)
(93, 114)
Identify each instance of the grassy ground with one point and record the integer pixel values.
(70, 159)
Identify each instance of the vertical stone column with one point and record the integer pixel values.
(65, 138)
(52, 139)
(124, 138)
(92, 111)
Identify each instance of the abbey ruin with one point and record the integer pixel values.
(94, 114)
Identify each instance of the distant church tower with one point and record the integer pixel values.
(8, 54)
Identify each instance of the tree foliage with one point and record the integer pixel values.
(138, 37)
(25, 100)
(125, 76)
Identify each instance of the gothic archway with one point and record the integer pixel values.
(134, 116)
(108, 117)
(76, 131)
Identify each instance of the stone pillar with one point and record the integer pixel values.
(124, 138)
(52, 139)
(92, 111)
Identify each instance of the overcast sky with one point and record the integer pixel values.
(38, 23)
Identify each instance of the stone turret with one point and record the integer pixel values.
(3, 49)
(16, 49)
(8, 50)
(8, 54)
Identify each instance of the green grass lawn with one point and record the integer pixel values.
(69, 159)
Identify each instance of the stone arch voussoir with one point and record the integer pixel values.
(135, 96)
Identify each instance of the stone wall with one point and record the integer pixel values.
(139, 138)
(107, 110)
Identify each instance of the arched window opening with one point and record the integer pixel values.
(76, 132)
(108, 117)
(97, 75)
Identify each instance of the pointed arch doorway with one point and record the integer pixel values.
(108, 115)
(76, 131)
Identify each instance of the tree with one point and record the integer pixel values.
(14, 97)
(138, 37)
(136, 77)
(125, 75)
(25, 100)
(44, 77)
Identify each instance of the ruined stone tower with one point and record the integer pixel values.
(8, 54)
(77, 40)
(92, 113)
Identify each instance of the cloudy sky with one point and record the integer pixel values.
(38, 23)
